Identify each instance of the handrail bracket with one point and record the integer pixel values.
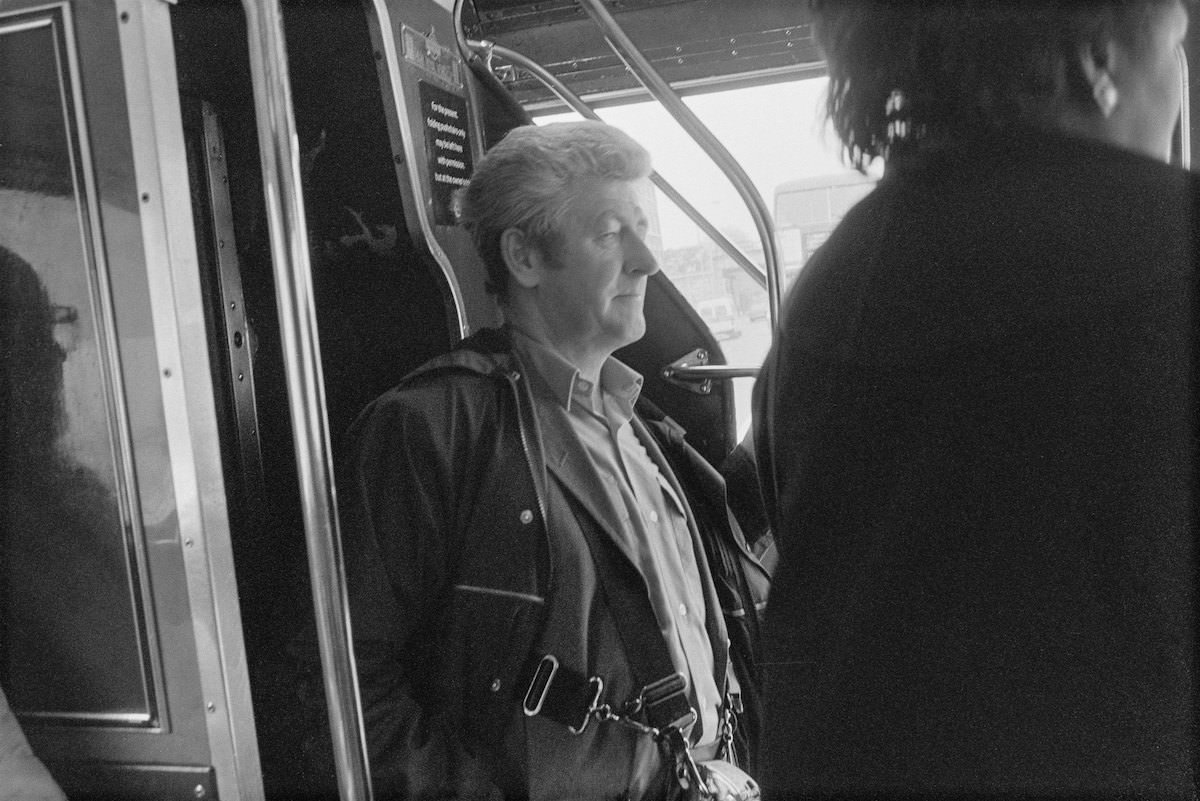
(676, 372)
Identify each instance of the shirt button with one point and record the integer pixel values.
(683, 610)
(495, 685)
(526, 516)
(653, 516)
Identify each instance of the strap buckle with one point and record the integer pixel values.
(665, 703)
(539, 686)
(563, 695)
(596, 685)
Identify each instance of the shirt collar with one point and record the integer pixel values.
(621, 383)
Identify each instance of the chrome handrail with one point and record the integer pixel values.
(703, 372)
(486, 49)
(280, 153)
(644, 71)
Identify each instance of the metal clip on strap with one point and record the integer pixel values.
(561, 694)
(665, 703)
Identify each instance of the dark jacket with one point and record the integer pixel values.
(449, 561)
(976, 441)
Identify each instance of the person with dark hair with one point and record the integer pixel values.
(64, 633)
(67, 632)
(539, 609)
(975, 431)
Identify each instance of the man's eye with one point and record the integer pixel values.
(609, 237)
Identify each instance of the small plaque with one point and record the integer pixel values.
(444, 116)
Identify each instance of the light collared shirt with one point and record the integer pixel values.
(655, 530)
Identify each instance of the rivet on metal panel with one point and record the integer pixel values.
(145, 197)
(211, 706)
(199, 791)
(187, 543)
(166, 372)
(124, 16)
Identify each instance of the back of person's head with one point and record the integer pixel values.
(30, 362)
(949, 70)
(528, 180)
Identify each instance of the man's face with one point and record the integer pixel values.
(592, 278)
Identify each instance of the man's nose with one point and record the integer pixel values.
(638, 258)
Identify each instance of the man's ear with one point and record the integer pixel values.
(521, 256)
(1096, 63)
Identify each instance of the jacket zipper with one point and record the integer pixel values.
(514, 377)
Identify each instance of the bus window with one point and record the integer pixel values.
(718, 314)
(71, 635)
(807, 210)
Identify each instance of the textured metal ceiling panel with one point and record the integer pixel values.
(688, 41)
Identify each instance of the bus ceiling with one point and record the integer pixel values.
(694, 44)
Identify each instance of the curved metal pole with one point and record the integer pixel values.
(460, 35)
(486, 49)
(279, 150)
(641, 67)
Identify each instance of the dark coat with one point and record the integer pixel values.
(975, 440)
(463, 511)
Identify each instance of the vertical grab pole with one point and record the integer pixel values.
(641, 67)
(279, 151)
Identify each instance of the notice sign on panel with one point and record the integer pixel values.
(449, 148)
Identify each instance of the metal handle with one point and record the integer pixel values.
(704, 372)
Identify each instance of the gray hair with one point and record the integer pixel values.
(529, 179)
